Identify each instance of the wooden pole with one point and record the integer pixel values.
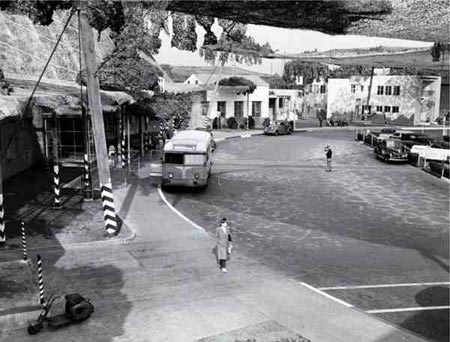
(98, 128)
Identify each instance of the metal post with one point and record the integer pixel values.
(128, 141)
(443, 168)
(248, 110)
(370, 89)
(56, 186)
(141, 136)
(40, 281)
(123, 154)
(24, 241)
(87, 186)
(2, 211)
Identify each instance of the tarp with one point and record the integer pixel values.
(430, 153)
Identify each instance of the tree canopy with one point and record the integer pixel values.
(234, 81)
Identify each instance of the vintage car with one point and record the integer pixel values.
(391, 150)
(278, 127)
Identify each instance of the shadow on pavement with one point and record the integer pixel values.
(90, 272)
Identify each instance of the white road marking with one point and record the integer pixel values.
(420, 308)
(381, 286)
(195, 225)
(326, 295)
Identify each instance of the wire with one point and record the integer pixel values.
(40, 77)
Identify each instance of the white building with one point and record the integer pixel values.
(230, 101)
(403, 100)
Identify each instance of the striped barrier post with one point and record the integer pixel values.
(161, 128)
(109, 212)
(205, 122)
(123, 149)
(87, 184)
(2, 221)
(40, 281)
(24, 241)
(56, 187)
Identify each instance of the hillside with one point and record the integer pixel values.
(25, 48)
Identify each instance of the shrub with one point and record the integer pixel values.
(251, 123)
(232, 123)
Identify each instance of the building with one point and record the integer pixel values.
(402, 100)
(232, 102)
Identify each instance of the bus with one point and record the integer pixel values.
(187, 159)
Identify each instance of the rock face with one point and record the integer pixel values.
(25, 47)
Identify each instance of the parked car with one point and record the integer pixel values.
(390, 150)
(409, 138)
(278, 127)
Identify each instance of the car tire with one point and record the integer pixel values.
(276, 133)
(386, 159)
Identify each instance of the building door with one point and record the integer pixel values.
(222, 108)
(272, 108)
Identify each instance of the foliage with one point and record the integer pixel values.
(232, 123)
(235, 81)
(251, 123)
(184, 35)
(309, 70)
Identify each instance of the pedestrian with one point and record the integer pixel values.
(328, 153)
(223, 244)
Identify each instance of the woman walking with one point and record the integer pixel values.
(223, 244)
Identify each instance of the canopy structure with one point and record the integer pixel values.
(426, 20)
(58, 97)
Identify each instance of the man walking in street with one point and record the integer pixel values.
(328, 153)
(223, 244)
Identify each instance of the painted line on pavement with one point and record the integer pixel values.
(326, 294)
(381, 286)
(420, 308)
(195, 225)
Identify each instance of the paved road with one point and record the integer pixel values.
(366, 223)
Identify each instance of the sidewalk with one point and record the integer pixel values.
(177, 294)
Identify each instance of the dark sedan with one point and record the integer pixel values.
(278, 127)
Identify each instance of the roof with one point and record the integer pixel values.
(182, 73)
(10, 106)
(56, 96)
(189, 140)
(213, 79)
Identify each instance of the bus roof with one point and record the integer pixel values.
(189, 141)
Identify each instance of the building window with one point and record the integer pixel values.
(322, 89)
(387, 109)
(196, 81)
(388, 90)
(366, 108)
(380, 90)
(362, 88)
(280, 102)
(380, 109)
(396, 90)
(353, 88)
(256, 109)
(221, 107)
(238, 109)
(394, 109)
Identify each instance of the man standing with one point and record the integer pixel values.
(223, 239)
(328, 153)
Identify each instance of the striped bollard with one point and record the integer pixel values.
(205, 122)
(87, 184)
(2, 221)
(24, 241)
(109, 212)
(161, 128)
(123, 148)
(56, 187)
(40, 280)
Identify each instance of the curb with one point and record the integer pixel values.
(21, 318)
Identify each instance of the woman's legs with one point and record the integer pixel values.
(222, 263)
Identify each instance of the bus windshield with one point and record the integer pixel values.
(184, 159)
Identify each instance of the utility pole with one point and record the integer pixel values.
(370, 89)
(98, 128)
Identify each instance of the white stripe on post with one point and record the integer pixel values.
(87, 179)
(109, 212)
(57, 201)
(40, 281)
(24, 241)
(2, 220)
